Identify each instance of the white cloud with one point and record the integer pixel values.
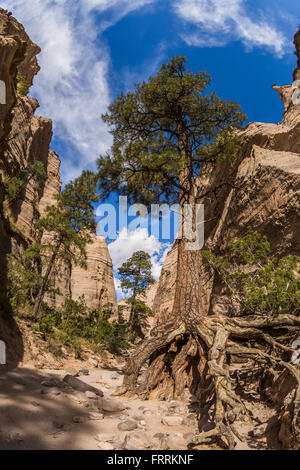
(119, 292)
(158, 261)
(73, 85)
(218, 21)
(129, 242)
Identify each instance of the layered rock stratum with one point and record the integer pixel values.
(25, 138)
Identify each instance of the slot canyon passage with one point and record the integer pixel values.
(205, 376)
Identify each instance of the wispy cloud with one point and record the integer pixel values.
(73, 85)
(218, 21)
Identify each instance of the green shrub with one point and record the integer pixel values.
(262, 283)
(50, 320)
(74, 323)
(22, 85)
(13, 186)
(37, 171)
(120, 337)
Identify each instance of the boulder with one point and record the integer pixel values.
(110, 405)
(137, 441)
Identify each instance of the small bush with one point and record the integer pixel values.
(22, 85)
(49, 320)
(262, 283)
(74, 323)
(13, 186)
(37, 171)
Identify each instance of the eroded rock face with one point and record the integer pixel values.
(165, 290)
(24, 139)
(30, 141)
(296, 75)
(97, 283)
(12, 51)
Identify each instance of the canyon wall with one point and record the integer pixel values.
(25, 139)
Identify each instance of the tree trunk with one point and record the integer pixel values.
(193, 350)
(42, 290)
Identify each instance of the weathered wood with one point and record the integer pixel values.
(81, 386)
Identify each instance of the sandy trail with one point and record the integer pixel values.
(30, 419)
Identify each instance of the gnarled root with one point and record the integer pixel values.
(199, 359)
(144, 352)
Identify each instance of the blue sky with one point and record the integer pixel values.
(94, 49)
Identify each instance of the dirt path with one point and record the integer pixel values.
(38, 411)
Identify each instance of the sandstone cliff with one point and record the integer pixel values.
(24, 139)
(97, 283)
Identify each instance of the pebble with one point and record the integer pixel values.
(188, 436)
(79, 419)
(172, 420)
(137, 418)
(105, 446)
(58, 425)
(50, 383)
(94, 363)
(90, 395)
(186, 422)
(176, 442)
(128, 425)
(173, 404)
(95, 416)
(71, 371)
(105, 437)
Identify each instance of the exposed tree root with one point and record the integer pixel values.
(144, 352)
(200, 359)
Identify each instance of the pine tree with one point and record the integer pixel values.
(66, 229)
(135, 275)
(167, 134)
